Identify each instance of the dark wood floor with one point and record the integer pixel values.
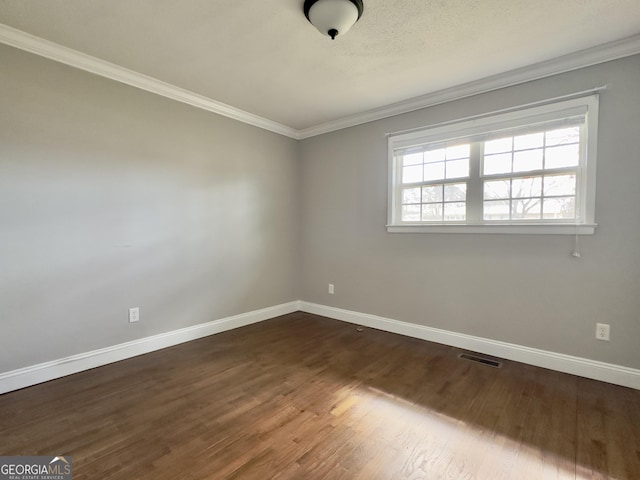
(305, 397)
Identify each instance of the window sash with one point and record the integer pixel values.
(480, 134)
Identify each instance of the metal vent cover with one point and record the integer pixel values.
(482, 360)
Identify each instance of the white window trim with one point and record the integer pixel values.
(519, 116)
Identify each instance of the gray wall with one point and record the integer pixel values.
(111, 198)
(523, 289)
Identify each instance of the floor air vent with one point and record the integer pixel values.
(482, 360)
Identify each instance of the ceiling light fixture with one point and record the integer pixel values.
(333, 17)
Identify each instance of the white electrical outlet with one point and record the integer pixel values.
(602, 331)
(134, 314)
(331, 289)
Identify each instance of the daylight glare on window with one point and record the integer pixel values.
(551, 194)
(436, 198)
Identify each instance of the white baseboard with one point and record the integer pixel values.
(43, 372)
(606, 372)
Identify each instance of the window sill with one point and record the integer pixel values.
(524, 229)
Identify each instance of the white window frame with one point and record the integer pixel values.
(470, 129)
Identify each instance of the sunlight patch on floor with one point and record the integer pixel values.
(427, 442)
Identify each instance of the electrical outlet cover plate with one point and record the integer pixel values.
(602, 331)
(134, 314)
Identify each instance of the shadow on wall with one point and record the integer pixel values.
(84, 245)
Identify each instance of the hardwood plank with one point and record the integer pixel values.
(608, 431)
(305, 397)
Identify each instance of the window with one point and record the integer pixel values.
(530, 170)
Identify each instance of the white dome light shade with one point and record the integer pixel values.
(333, 17)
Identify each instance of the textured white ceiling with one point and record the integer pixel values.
(262, 56)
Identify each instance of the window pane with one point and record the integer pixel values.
(434, 171)
(455, 211)
(498, 146)
(411, 213)
(563, 156)
(563, 136)
(412, 174)
(434, 156)
(526, 187)
(432, 212)
(533, 140)
(432, 193)
(497, 189)
(412, 159)
(496, 210)
(497, 163)
(458, 168)
(526, 209)
(559, 185)
(455, 191)
(458, 151)
(411, 195)
(559, 207)
(527, 160)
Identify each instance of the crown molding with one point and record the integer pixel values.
(566, 63)
(53, 51)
